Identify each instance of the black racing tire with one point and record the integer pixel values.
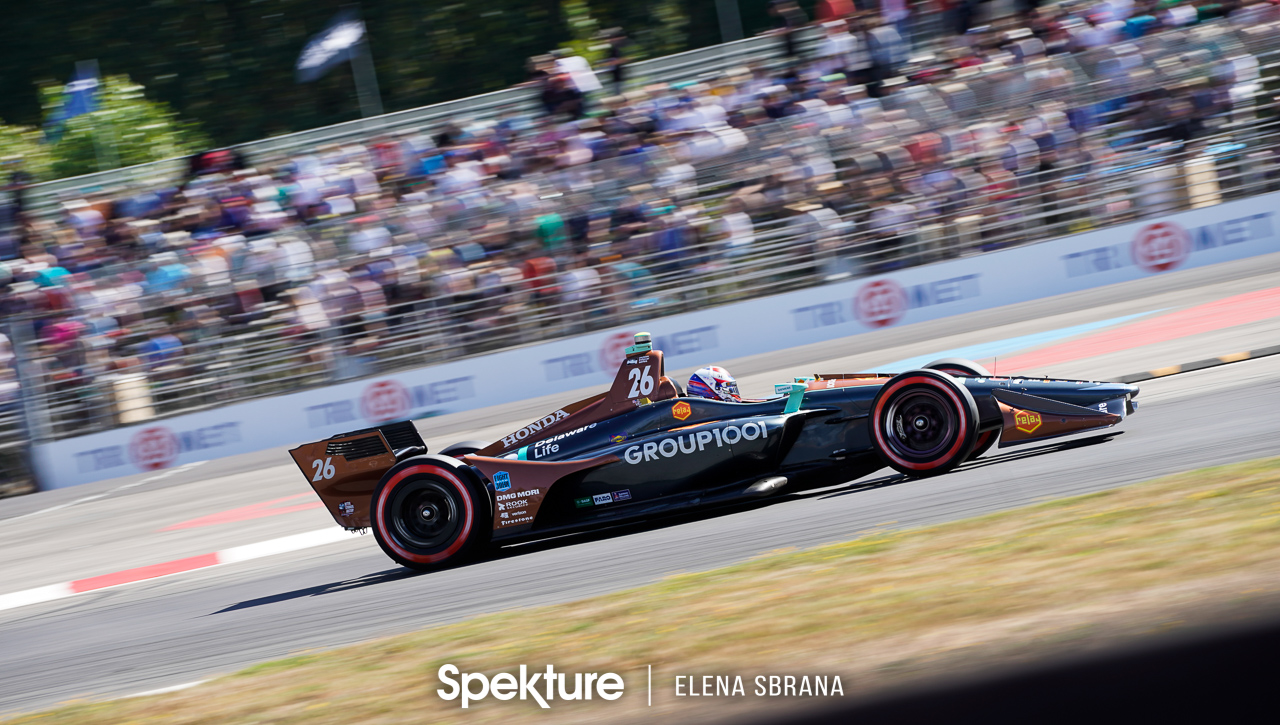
(961, 366)
(463, 448)
(428, 513)
(924, 423)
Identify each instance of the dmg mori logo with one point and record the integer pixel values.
(1027, 421)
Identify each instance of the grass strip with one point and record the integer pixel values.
(881, 609)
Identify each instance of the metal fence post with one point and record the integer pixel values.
(35, 418)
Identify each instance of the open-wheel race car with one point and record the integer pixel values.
(643, 449)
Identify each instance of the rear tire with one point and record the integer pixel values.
(463, 448)
(427, 514)
(924, 423)
(961, 366)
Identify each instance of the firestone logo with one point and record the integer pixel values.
(153, 448)
(880, 303)
(384, 400)
(1160, 247)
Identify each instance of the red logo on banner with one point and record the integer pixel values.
(615, 351)
(880, 303)
(1161, 247)
(384, 400)
(153, 448)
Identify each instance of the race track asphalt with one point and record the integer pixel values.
(192, 626)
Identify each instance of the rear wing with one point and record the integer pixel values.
(641, 380)
(344, 469)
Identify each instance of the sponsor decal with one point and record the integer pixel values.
(153, 448)
(824, 314)
(1166, 245)
(473, 686)
(617, 439)
(517, 504)
(693, 442)
(883, 302)
(681, 342)
(613, 352)
(335, 413)
(384, 400)
(1161, 246)
(880, 303)
(534, 427)
(681, 411)
(504, 521)
(542, 450)
(157, 447)
(567, 366)
(518, 494)
(1027, 421)
(501, 481)
(346, 508)
(545, 447)
(601, 499)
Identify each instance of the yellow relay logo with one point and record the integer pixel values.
(1026, 421)
(681, 411)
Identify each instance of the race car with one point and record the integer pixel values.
(643, 449)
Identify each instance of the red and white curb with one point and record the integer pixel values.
(233, 555)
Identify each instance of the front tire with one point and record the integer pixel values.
(924, 423)
(427, 514)
(961, 366)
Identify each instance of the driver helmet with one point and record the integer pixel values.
(715, 383)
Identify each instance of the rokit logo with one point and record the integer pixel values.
(541, 687)
(693, 442)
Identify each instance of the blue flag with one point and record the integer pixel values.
(331, 47)
(79, 97)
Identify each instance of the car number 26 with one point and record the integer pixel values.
(324, 469)
(641, 382)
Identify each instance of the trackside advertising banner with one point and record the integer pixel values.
(1230, 231)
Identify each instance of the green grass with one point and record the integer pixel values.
(880, 610)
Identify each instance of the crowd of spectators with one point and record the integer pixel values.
(857, 155)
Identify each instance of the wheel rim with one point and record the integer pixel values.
(425, 515)
(920, 424)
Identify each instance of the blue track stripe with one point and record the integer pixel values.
(1007, 346)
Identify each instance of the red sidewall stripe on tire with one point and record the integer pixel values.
(882, 439)
(390, 540)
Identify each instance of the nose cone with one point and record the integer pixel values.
(1133, 390)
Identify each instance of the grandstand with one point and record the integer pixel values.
(453, 230)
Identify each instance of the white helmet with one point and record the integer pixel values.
(715, 383)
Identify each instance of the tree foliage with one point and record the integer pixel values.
(126, 129)
(24, 142)
(228, 64)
